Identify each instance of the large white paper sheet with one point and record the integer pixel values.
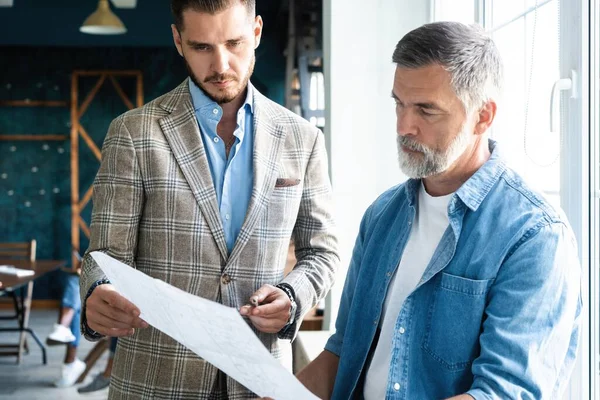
(215, 332)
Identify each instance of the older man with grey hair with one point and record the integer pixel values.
(464, 281)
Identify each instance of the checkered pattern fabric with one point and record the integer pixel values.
(155, 209)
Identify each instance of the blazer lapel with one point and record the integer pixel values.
(269, 136)
(180, 128)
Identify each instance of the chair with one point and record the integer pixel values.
(19, 251)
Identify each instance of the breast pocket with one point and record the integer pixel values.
(454, 320)
(283, 206)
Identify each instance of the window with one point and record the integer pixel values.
(595, 199)
(456, 10)
(317, 97)
(543, 128)
(528, 39)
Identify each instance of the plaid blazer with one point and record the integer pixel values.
(155, 209)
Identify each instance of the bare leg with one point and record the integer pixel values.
(108, 369)
(65, 316)
(70, 354)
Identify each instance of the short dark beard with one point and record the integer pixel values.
(218, 77)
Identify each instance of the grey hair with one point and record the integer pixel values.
(465, 51)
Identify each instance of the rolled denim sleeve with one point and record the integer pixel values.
(531, 330)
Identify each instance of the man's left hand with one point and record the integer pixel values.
(272, 312)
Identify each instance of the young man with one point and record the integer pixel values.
(464, 281)
(202, 188)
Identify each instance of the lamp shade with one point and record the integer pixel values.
(103, 22)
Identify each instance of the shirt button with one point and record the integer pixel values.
(396, 386)
(215, 111)
(389, 274)
(402, 330)
(225, 279)
(227, 217)
(216, 140)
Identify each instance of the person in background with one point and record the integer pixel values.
(66, 331)
(102, 380)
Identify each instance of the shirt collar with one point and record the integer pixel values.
(476, 188)
(200, 100)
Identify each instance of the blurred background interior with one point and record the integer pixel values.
(65, 73)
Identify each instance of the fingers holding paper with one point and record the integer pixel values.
(269, 309)
(110, 314)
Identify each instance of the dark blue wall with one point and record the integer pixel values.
(57, 22)
(35, 176)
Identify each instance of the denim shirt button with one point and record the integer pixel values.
(401, 330)
(396, 386)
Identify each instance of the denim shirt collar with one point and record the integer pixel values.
(476, 188)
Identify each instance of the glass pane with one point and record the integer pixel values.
(503, 11)
(455, 10)
(529, 47)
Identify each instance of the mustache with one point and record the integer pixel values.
(411, 144)
(219, 78)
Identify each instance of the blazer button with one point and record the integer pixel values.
(225, 279)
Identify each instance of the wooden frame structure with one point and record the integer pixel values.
(77, 130)
(33, 103)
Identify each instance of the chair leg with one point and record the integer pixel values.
(25, 322)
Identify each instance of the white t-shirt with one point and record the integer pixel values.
(431, 221)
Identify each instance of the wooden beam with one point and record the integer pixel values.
(33, 137)
(108, 72)
(35, 304)
(75, 242)
(91, 95)
(88, 140)
(140, 90)
(84, 227)
(121, 93)
(86, 198)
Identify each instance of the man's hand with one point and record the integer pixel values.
(271, 311)
(110, 314)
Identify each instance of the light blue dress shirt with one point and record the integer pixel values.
(232, 176)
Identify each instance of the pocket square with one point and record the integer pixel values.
(286, 182)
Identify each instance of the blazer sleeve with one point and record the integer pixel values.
(314, 238)
(118, 200)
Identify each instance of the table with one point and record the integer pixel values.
(10, 285)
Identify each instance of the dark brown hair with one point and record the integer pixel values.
(206, 6)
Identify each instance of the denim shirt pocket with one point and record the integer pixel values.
(454, 320)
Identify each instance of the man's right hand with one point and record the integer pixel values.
(110, 314)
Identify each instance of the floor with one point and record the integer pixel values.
(34, 381)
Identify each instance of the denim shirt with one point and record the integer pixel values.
(497, 311)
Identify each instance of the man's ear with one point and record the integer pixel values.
(258, 26)
(485, 117)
